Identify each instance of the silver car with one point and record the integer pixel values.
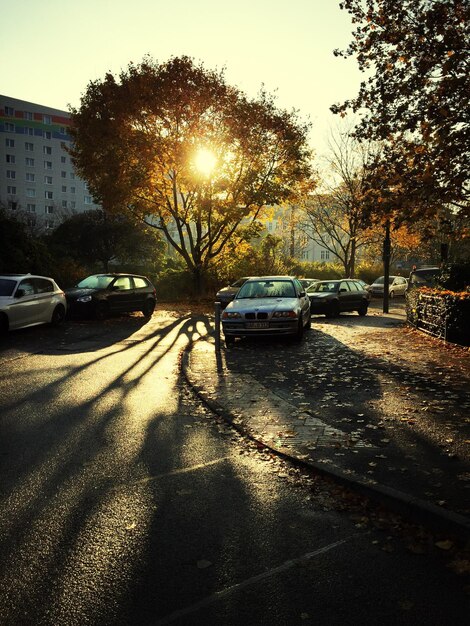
(28, 300)
(267, 305)
(396, 286)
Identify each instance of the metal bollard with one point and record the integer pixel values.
(217, 309)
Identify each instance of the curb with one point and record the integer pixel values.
(419, 511)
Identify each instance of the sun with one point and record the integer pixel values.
(205, 161)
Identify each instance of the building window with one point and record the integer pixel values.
(64, 204)
(72, 175)
(28, 131)
(28, 115)
(47, 149)
(63, 159)
(73, 204)
(47, 134)
(10, 128)
(12, 205)
(10, 158)
(29, 147)
(72, 189)
(49, 224)
(87, 200)
(31, 208)
(63, 174)
(48, 195)
(31, 193)
(29, 162)
(47, 165)
(64, 189)
(11, 190)
(9, 111)
(46, 119)
(48, 180)
(11, 174)
(325, 255)
(10, 143)
(49, 208)
(30, 177)
(63, 130)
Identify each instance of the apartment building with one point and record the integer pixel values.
(37, 178)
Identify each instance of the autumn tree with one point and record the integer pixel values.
(337, 216)
(178, 148)
(415, 99)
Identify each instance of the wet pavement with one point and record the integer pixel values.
(369, 401)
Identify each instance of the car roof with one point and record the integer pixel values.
(271, 278)
(20, 276)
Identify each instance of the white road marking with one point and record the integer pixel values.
(220, 595)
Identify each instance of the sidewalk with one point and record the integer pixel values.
(406, 447)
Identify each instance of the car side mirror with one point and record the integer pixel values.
(19, 293)
(302, 294)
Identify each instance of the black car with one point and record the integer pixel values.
(331, 297)
(227, 294)
(102, 294)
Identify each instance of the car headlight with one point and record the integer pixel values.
(84, 299)
(231, 315)
(284, 314)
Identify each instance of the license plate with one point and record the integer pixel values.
(257, 324)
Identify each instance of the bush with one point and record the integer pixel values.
(441, 313)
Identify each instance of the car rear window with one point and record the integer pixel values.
(7, 286)
(42, 285)
(140, 283)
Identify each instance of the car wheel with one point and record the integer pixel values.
(148, 308)
(101, 311)
(58, 315)
(334, 310)
(229, 341)
(362, 310)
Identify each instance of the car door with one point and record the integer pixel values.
(141, 292)
(345, 296)
(44, 290)
(121, 295)
(24, 308)
(357, 294)
(304, 300)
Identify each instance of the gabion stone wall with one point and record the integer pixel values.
(443, 314)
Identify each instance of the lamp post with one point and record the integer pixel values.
(386, 261)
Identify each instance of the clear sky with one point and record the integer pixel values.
(51, 49)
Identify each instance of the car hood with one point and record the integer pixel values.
(263, 304)
(78, 292)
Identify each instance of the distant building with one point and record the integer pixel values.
(37, 179)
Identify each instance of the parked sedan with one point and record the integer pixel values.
(28, 300)
(332, 297)
(396, 286)
(227, 294)
(267, 305)
(102, 294)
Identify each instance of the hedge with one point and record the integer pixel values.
(441, 313)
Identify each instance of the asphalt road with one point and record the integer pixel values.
(125, 502)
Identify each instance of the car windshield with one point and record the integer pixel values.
(323, 288)
(267, 289)
(97, 281)
(381, 280)
(6, 286)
